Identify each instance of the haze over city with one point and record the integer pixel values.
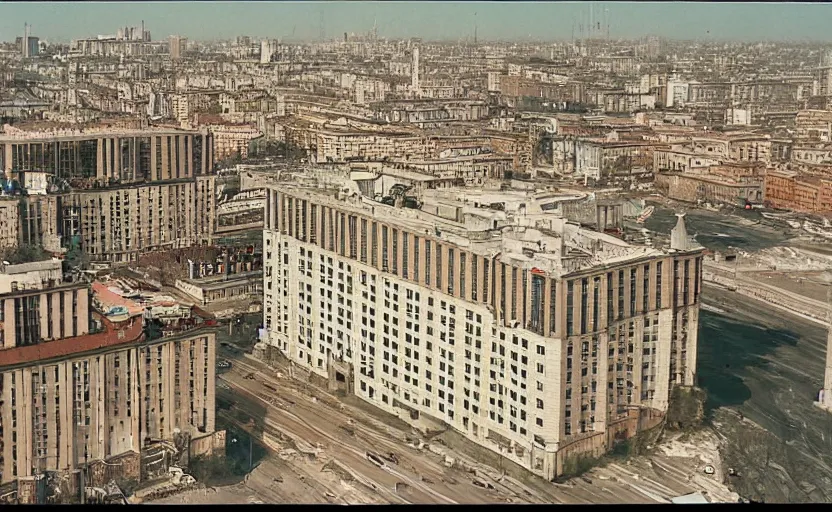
(450, 21)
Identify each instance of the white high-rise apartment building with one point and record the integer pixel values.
(530, 335)
(414, 71)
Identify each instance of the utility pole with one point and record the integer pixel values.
(825, 396)
(250, 452)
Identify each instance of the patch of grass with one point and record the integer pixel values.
(24, 254)
(574, 467)
(686, 410)
(213, 470)
(622, 450)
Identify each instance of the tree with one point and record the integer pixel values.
(23, 254)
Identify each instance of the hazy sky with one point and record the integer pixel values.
(430, 20)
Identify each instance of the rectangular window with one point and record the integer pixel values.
(537, 304)
(416, 262)
(645, 292)
(374, 252)
(61, 304)
(596, 299)
(584, 304)
(405, 253)
(302, 229)
(632, 292)
(610, 300)
(696, 272)
(553, 306)
(384, 259)
(686, 282)
(342, 235)
(514, 283)
(675, 283)
(293, 219)
(427, 262)
(324, 225)
(620, 294)
(48, 315)
(333, 226)
(439, 266)
(451, 276)
(502, 289)
(462, 270)
(395, 251)
(474, 271)
(313, 224)
(659, 285)
(569, 307)
(363, 243)
(353, 227)
(524, 288)
(75, 313)
(485, 281)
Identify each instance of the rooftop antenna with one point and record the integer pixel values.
(607, 16)
(591, 21)
(475, 28)
(573, 31)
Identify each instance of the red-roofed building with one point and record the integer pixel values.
(81, 383)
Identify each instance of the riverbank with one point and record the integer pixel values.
(762, 367)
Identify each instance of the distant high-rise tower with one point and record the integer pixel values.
(176, 46)
(29, 46)
(266, 51)
(25, 43)
(414, 72)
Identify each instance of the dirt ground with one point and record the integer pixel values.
(318, 446)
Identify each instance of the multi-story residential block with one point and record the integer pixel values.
(800, 192)
(735, 185)
(80, 383)
(531, 336)
(344, 146)
(682, 159)
(229, 139)
(807, 153)
(599, 159)
(8, 222)
(123, 156)
(121, 192)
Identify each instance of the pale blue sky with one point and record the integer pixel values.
(429, 20)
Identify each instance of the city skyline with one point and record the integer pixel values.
(430, 20)
(369, 253)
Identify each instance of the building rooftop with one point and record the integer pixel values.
(112, 305)
(512, 224)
